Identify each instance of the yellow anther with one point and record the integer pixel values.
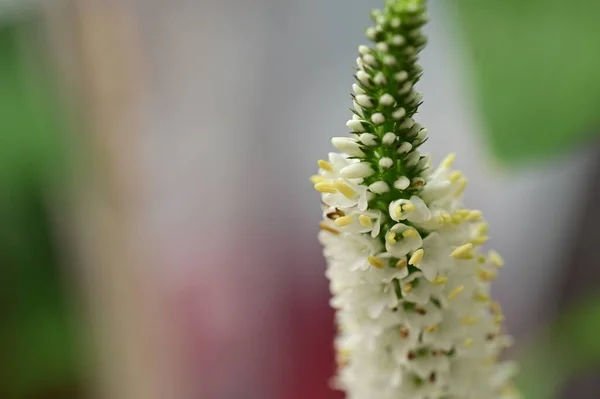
(456, 218)
(440, 280)
(407, 288)
(345, 189)
(481, 259)
(398, 211)
(470, 321)
(448, 161)
(446, 217)
(343, 221)
(376, 262)
(498, 319)
(326, 166)
(325, 187)
(496, 308)
(365, 221)
(463, 185)
(496, 259)
(481, 229)
(463, 212)
(475, 216)
(456, 291)
(455, 176)
(401, 264)
(479, 240)
(416, 257)
(390, 237)
(463, 252)
(317, 179)
(431, 328)
(486, 275)
(408, 207)
(410, 233)
(329, 229)
(469, 342)
(481, 297)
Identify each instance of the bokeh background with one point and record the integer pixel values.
(157, 225)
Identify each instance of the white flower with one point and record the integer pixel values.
(446, 333)
(402, 239)
(418, 290)
(409, 284)
(436, 258)
(414, 210)
(358, 221)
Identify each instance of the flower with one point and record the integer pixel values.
(409, 282)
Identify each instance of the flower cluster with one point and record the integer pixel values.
(409, 281)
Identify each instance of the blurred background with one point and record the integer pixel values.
(157, 225)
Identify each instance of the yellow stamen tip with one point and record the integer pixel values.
(481, 259)
(481, 229)
(456, 218)
(496, 308)
(479, 240)
(431, 328)
(496, 259)
(463, 212)
(463, 252)
(449, 161)
(398, 211)
(408, 288)
(365, 221)
(325, 187)
(469, 342)
(410, 233)
(391, 237)
(455, 176)
(343, 221)
(416, 257)
(440, 280)
(475, 216)
(470, 321)
(345, 189)
(456, 291)
(408, 207)
(446, 217)
(317, 179)
(326, 166)
(463, 185)
(401, 264)
(329, 229)
(486, 275)
(481, 297)
(498, 319)
(376, 262)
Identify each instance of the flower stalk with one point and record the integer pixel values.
(409, 280)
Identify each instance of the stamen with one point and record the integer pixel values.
(343, 221)
(416, 257)
(326, 166)
(376, 262)
(463, 252)
(325, 187)
(365, 221)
